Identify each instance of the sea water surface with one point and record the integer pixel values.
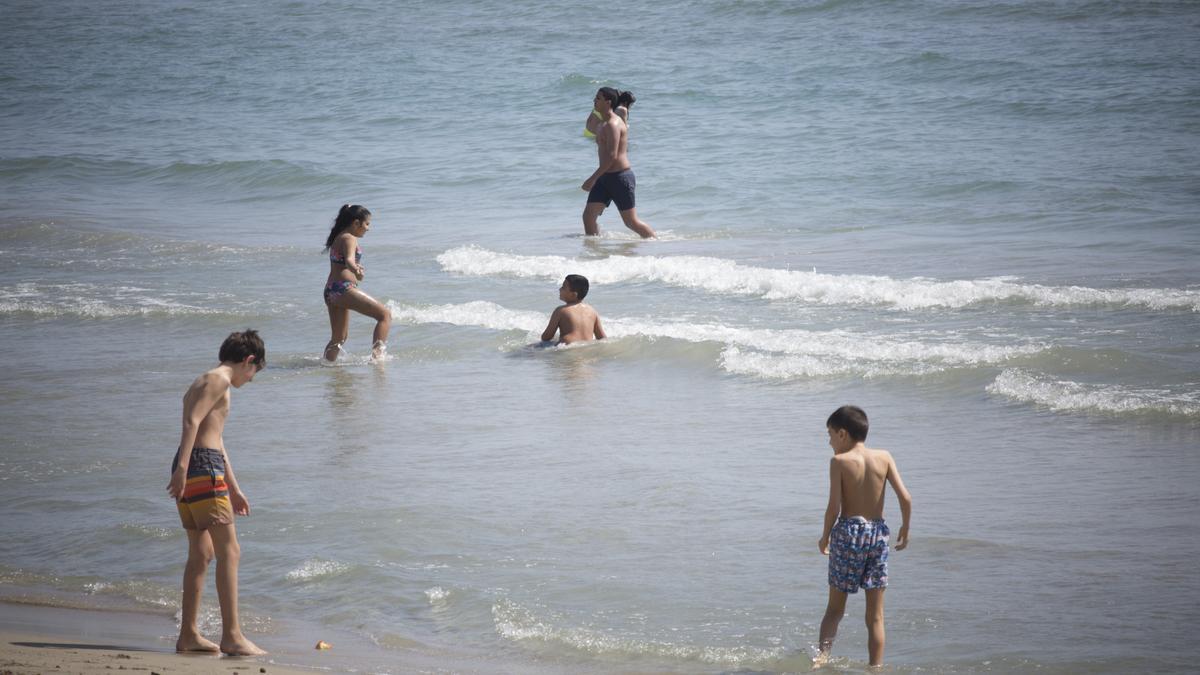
(978, 220)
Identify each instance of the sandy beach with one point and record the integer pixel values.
(978, 221)
(36, 639)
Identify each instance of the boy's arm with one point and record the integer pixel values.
(835, 503)
(241, 505)
(905, 500)
(598, 331)
(552, 327)
(197, 403)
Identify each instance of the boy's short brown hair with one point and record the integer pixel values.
(579, 284)
(238, 346)
(852, 419)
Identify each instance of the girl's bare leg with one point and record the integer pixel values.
(339, 326)
(366, 305)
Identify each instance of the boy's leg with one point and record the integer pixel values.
(591, 213)
(636, 224)
(200, 554)
(228, 552)
(834, 611)
(874, 619)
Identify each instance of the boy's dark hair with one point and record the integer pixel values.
(579, 284)
(238, 346)
(345, 218)
(852, 419)
(612, 95)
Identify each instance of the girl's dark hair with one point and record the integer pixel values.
(238, 346)
(345, 217)
(625, 98)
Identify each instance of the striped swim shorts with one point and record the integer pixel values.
(205, 500)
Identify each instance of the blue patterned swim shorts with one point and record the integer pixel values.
(858, 553)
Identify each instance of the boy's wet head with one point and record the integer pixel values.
(578, 284)
(851, 419)
(238, 346)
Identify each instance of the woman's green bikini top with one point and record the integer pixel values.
(588, 134)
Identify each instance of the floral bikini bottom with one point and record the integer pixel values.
(336, 289)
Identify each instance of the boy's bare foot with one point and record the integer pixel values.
(822, 657)
(240, 646)
(195, 643)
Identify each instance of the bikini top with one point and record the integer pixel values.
(335, 257)
(589, 134)
(586, 132)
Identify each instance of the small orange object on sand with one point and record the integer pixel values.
(321, 644)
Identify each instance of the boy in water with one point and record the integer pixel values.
(207, 494)
(613, 179)
(574, 321)
(855, 537)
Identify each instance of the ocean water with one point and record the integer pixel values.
(978, 220)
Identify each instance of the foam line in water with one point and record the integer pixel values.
(1028, 386)
(97, 301)
(773, 353)
(518, 623)
(315, 569)
(804, 366)
(717, 275)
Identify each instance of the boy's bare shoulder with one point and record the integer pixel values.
(214, 378)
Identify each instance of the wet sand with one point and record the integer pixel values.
(36, 639)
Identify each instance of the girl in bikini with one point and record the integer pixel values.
(625, 100)
(341, 288)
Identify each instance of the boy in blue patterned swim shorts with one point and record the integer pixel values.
(855, 537)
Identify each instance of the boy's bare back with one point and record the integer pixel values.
(863, 474)
(576, 323)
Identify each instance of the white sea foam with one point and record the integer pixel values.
(517, 623)
(771, 353)
(1039, 389)
(313, 569)
(437, 595)
(717, 275)
(89, 301)
(478, 313)
(791, 367)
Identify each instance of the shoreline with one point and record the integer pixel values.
(38, 638)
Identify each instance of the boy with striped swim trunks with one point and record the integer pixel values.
(855, 537)
(207, 495)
